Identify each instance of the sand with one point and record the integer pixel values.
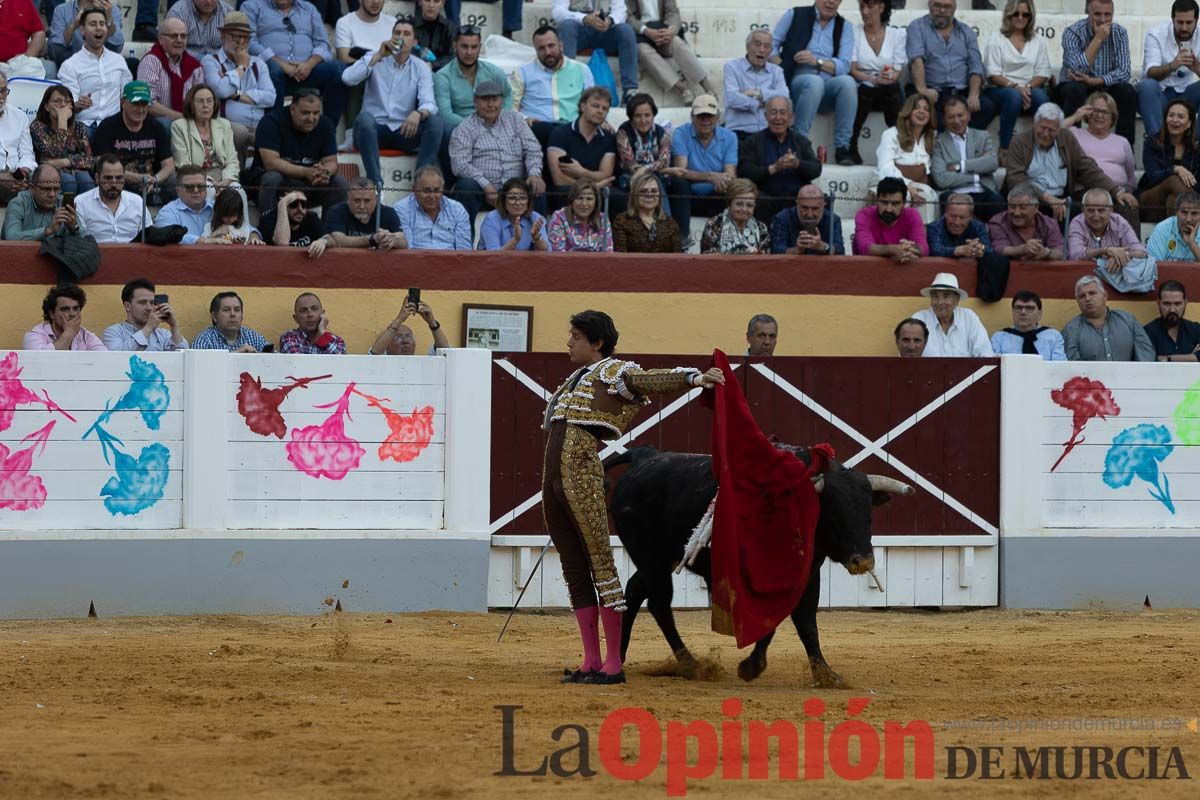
(403, 706)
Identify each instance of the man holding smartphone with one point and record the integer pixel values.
(145, 314)
(36, 214)
(808, 227)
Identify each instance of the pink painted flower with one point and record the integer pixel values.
(13, 393)
(325, 450)
(19, 490)
(1086, 399)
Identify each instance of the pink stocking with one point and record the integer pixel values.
(590, 633)
(612, 640)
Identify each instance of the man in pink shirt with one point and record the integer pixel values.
(63, 329)
(889, 228)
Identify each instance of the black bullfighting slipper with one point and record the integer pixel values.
(603, 678)
(577, 676)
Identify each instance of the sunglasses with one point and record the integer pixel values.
(287, 23)
(469, 30)
(297, 204)
(306, 91)
(1020, 15)
(193, 187)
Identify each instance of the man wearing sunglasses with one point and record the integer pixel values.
(192, 209)
(290, 36)
(291, 224)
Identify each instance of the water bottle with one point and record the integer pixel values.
(423, 52)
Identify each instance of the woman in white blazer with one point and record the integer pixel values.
(906, 151)
(202, 137)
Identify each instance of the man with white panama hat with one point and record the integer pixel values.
(953, 331)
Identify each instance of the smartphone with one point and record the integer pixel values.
(809, 228)
(270, 348)
(414, 297)
(566, 160)
(161, 299)
(69, 199)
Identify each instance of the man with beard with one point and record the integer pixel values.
(777, 159)
(354, 223)
(95, 75)
(108, 213)
(240, 81)
(311, 336)
(944, 61)
(454, 84)
(1096, 58)
(66, 28)
(1023, 232)
(296, 147)
(1174, 239)
(291, 224)
(142, 329)
(889, 228)
(1174, 338)
(1169, 65)
(762, 334)
(1027, 334)
(803, 228)
(953, 331)
(911, 336)
(1101, 333)
(170, 71)
(547, 90)
(145, 149)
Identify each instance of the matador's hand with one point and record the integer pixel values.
(711, 378)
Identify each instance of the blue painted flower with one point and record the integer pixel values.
(148, 392)
(139, 483)
(1136, 453)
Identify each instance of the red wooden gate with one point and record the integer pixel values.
(934, 423)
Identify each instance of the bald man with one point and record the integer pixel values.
(397, 339)
(807, 228)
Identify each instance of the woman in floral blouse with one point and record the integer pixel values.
(735, 231)
(62, 142)
(581, 225)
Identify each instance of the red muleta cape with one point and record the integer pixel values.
(764, 522)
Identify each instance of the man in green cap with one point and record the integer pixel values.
(144, 149)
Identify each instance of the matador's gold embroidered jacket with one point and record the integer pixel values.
(623, 386)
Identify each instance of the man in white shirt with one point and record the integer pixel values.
(1170, 65)
(587, 25)
(953, 331)
(95, 75)
(363, 31)
(398, 109)
(16, 148)
(108, 212)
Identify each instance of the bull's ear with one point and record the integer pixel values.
(879, 498)
(773, 439)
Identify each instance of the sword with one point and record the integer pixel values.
(528, 581)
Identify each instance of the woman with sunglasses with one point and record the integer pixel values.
(645, 226)
(61, 141)
(513, 225)
(1017, 64)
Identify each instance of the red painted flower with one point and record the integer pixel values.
(260, 407)
(1085, 399)
(410, 434)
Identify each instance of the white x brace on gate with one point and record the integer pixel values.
(928, 571)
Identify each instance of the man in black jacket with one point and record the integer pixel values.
(777, 159)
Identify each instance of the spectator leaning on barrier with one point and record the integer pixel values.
(957, 234)
(227, 332)
(1173, 337)
(547, 90)
(808, 227)
(397, 338)
(296, 147)
(1017, 65)
(762, 334)
(904, 154)
(399, 110)
(815, 46)
(581, 225)
(291, 224)
(17, 161)
(879, 58)
(644, 227)
(778, 160)
(62, 141)
(144, 147)
(1101, 333)
(170, 71)
(890, 228)
(736, 231)
(657, 24)
(192, 208)
(35, 214)
(95, 75)
(203, 19)
(513, 224)
(1170, 161)
(108, 213)
(435, 33)
(1024, 233)
(241, 81)
(585, 25)
(911, 337)
(66, 29)
(362, 222)
(953, 331)
(311, 336)
(585, 148)
(290, 36)
(1096, 56)
(749, 83)
(62, 310)
(1174, 239)
(429, 219)
(1169, 65)
(362, 31)
(142, 329)
(964, 161)
(231, 210)
(1098, 234)
(1028, 335)
(944, 61)
(703, 162)
(491, 147)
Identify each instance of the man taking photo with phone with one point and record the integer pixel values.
(35, 214)
(145, 314)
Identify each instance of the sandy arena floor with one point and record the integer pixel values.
(363, 705)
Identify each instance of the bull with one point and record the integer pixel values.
(657, 499)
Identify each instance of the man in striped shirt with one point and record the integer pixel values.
(1096, 59)
(203, 19)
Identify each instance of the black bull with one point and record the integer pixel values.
(657, 499)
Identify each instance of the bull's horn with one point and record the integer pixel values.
(882, 483)
(818, 483)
